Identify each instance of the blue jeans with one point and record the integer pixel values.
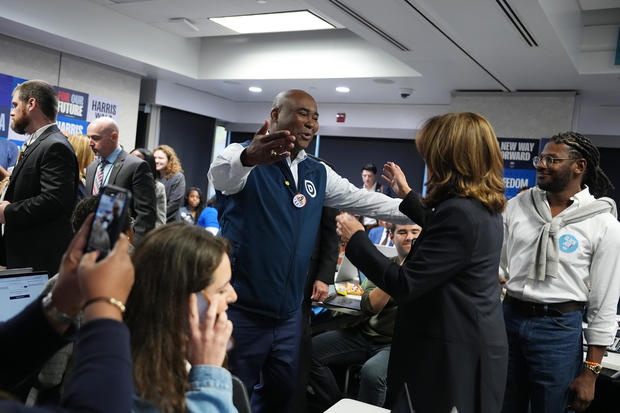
(346, 347)
(265, 357)
(544, 357)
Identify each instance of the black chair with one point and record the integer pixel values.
(240, 396)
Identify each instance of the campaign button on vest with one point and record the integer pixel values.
(299, 200)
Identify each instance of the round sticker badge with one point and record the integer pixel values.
(299, 200)
(568, 243)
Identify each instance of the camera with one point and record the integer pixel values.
(405, 92)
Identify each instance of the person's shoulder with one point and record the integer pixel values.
(463, 210)
(375, 230)
(131, 160)
(56, 141)
(459, 203)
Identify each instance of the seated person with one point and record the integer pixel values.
(103, 356)
(88, 206)
(368, 343)
(174, 264)
(381, 234)
(192, 208)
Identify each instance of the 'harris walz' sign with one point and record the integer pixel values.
(75, 109)
(519, 171)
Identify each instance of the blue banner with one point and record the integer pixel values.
(515, 179)
(519, 169)
(71, 126)
(5, 121)
(518, 153)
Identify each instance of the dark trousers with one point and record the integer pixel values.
(265, 358)
(346, 347)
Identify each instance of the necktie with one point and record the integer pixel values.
(99, 177)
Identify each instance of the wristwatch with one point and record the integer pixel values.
(594, 367)
(53, 312)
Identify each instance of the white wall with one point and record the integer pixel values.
(21, 59)
(363, 120)
(521, 114)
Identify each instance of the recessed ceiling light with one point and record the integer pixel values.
(255, 89)
(383, 81)
(261, 1)
(273, 22)
(343, 89)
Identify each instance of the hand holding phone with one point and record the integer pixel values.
(208, 340)
(110, 218)
(203, 305)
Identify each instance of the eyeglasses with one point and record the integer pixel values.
(547, 160)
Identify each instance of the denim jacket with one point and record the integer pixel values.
(210, 391)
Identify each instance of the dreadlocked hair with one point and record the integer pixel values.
(598, 183)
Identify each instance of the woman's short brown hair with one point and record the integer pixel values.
(174, 163)
(463, 159)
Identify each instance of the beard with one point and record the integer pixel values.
(558, 182)
(20, 124)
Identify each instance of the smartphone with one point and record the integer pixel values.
(203, 305)
(110, 218)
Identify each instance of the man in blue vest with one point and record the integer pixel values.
(270, 196)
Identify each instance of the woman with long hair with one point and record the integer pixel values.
(170, 172)
(177, 266)
(85, 156)
(450, 351)
(160, 190)
(194, 205)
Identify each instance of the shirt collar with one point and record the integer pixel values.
(111, 158)
(583, 197)
(38, 133)
(301, 155)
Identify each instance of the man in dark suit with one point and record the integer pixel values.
(117, 167)
(36, 208)
(381, 234)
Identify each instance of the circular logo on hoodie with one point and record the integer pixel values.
(568, 243)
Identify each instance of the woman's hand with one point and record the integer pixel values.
(346, 226)
(393, 175)
(111, 277)
(208, 340)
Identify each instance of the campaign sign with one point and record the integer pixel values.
(72, 104)
(515, 179)
(5, 121)
(15, 137)
(518, 153)
(6, 89)
(71, 126)
(99, 107)
(17, 81)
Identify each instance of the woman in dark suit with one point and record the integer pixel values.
(449, 349)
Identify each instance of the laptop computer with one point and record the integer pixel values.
(18, 289)
(349, 272)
